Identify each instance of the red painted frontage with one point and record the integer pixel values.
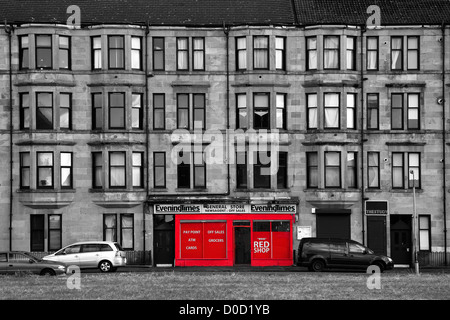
(209, 239)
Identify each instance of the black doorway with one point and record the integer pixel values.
(242, 244)
(376, 234)
(401, 244)
(164, 240)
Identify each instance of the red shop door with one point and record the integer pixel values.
(242, 243)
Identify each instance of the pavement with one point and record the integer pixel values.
(287, 269)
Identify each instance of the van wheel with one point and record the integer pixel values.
(317, 265)
(105, 266)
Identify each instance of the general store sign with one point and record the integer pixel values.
(376, 207)
(224, 208)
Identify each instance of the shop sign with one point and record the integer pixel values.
(376, 208)
(225, 208)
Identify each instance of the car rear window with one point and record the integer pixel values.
(118, 246)
(105, 247)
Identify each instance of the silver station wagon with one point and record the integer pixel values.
(105, 255)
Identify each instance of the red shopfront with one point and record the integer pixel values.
(234, 239)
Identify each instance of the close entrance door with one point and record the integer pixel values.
(401, 244)
(164, 240)
(242, 248)
(376, 234)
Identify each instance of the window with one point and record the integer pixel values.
(372, 53)
(117, 110)
(199, 111)
(138, 172)
(64, 52)
(66, 170)
(24, 53)
(311, 104)
(198, 48)
(65, 114)
(97, 111)
(136, 111)
(398, 169)
(241, 170)
(331, 110)
(424, 233)
(241, 111)
(332, 169)
(116, 52)
(282, 182)
(413, 53)
(24, 100)
(159, 169)
(199, 170)
(183, 111)
(413, 118)
(396, 53)
(158, 54)
(43, 51)
(274, 234)
(25, 163)
(182, 54)
(260, 52)
(261, 111)
(397, 111)
(241, 53)
(117, 172)
(351, 110)
(37, 230)
(136, 53)
(414, 166)
(280, 53)
(331, 52)
(44, 170)
(96, 52)
(372, 111)
(110, 227)
(127, 231)
(54, 232)
(351, 53)
(184, 170)
(44, 111)
(311, 53)
(261, 170)
(97, 169)
(352, 169)
(373, 168)
(312, 172)
(281, 110)
(159, 111)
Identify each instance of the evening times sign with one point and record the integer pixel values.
(224, 208)
(376, 208)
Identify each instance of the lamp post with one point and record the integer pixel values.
(415, 224)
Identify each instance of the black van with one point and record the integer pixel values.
(320, 253)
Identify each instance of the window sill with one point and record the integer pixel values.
(49, 190)
(159, 190)
(418, 190)
(332, 190)
(118, 190)
(205, 190)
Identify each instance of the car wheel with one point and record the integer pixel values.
(379, 265)
(317, 265)
(48, 272)
(105, 266)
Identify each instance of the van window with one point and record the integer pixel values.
(337, 248)
(356, 248)
(316, 246)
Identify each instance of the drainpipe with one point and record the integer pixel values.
(147, 31)
(226, 30)
(443, 144)
(9, 29)
(362, 79)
